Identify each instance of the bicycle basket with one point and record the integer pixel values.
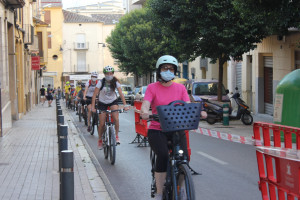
(178, 116)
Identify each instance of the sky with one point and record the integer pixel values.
(74, 3)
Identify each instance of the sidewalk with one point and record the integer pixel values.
(29, 160)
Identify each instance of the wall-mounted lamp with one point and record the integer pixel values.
(103, 44)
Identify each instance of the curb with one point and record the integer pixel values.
(225, 136)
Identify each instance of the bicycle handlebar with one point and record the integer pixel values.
(110, 111)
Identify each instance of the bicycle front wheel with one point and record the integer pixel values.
(112, 145)
(185, 186)
(105, 142)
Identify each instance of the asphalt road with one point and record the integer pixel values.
(229, 170)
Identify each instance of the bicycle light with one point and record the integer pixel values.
(180, 152)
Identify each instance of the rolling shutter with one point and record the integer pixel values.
(268, 84)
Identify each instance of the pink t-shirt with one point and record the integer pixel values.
(157, 95)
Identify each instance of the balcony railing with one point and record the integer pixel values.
(81, 45)
(15, 3)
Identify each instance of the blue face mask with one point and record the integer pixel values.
(167, 75)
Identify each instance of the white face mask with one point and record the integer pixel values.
(109, 78)
(94, 79)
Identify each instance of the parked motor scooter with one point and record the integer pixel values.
(215, 111)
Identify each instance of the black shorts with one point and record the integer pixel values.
(159, 144)
(49, 97)
(82, 102)
(88, 100)
(103, 106)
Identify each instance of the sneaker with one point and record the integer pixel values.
(118, 140)
(100, 144)
(89, 129)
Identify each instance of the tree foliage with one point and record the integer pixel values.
(276, 15)
(137, 43)
(213, 29)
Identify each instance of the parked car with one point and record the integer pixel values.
(136, 90)
(205, 89)
(128, 94)
(139, 96)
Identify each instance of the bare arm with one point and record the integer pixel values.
(145, 109)
(121, 96)
(94, 98)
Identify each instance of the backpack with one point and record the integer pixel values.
(90, 82)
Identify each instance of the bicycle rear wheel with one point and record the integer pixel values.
(79, 113)
(185, 186)
(85, 116)
(94, 123)
(112, 145)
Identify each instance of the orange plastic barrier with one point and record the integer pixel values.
(278, 166)
(141, 127)
(140, 124)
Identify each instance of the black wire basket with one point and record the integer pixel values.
(178, 116)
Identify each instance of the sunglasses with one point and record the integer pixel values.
(166, 68)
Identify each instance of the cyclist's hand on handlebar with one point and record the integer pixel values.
(145, 116)
(203, 115)
(126, 108)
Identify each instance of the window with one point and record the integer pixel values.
(81, 61)
(47, 17)
(49, 40)
(81, 41)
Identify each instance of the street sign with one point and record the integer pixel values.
(35, 63)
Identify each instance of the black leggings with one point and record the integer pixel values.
(159, 144)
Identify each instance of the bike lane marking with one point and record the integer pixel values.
(212, 158)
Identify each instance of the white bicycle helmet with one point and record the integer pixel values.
(166, 59)
(108, 69)
(94, 74)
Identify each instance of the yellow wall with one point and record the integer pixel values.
(56, 42)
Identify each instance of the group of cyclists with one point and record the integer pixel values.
(101, 94)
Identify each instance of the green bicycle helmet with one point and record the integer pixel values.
(108, 69)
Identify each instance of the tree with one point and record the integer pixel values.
(276, 15)
(136, 43)
(213, 29)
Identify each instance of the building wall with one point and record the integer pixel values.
(283, 53)
(55, 67)
(7, 72)
(94, 54)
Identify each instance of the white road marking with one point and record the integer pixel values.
(212, 158)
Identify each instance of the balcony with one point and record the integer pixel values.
(81, 45)
(15, 3)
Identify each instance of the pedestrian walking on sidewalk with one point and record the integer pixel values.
(49, 95)
(42, 93)
(59, 92)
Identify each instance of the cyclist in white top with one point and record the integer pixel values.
(88, 94)
(108, 98)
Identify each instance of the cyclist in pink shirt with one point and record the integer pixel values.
(163, 92)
